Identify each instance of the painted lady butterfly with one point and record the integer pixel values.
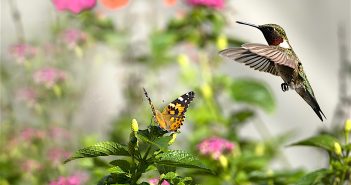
(172, 116)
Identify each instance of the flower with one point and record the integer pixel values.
(337, 148)
(74, 6)
(22, 51)
(348, 125)
(217, 4)
(215, 147)
(27, 95)
(72, 37)
(29, 134)
(155, 181)
(134, 125)
(56, 155)
(30, 166)
(48, 76)
(76, 179)
(113, 4)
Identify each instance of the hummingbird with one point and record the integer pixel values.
(277, 58)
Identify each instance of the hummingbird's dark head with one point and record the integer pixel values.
(273, 33)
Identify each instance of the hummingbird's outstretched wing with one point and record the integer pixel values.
(260, 57)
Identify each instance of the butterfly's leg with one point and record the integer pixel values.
(285, 87)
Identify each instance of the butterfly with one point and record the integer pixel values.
(173, 115)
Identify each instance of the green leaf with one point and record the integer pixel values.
(180, 158)
(161, 143)
(116, 170)
(313, 178)
(100, 149)
(123, 164)
(252, 92)
(321, 141)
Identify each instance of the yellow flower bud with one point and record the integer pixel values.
(337, 148)
(183, 61)
(223, 161)
(260, 149)
(135, 126)
(206, 90)
(348, 125)
(174, 136)
(222, 42)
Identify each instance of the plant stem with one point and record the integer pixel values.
(16, 16)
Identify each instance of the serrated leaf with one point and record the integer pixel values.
(100, 149)
(252, 92)
(321, 141)
(123, 164)
(313, 178)
(161, 143)
(180, 158)
(116, 170)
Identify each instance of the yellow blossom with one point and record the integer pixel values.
(223, 161)
(222, 42)
(174, 136)
(206, 90)
(183, 61)
(337, 148)
(348, 125)
(134, 125)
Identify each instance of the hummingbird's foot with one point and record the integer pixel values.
(285, 87)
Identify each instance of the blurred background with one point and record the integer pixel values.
(72, 75)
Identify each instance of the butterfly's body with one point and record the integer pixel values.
(277, 58)
(172, 116)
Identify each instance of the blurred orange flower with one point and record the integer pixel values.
(113, 4)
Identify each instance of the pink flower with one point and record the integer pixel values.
(215, 147)
(22, 51)
(29, 134)
(77, 179)
(74, 6)
(155, 181)
(73, 37)
(57, 155)
(27, 95)
(49, 76)
(218, 4)
(30, 166)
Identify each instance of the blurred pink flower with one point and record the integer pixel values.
(155, 181)
(49, 76)
(22, 51)
(73, 37)
(30, 166)
(29, 134)
(27, 95)
(57, 155)
(77, 179)
(74, 6)
(58, 133)
(218, 4)
(215, 147)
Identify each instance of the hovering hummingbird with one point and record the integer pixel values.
(277, 58)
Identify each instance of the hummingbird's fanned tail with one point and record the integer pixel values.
(311, 100)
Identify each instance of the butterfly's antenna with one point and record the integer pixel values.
(150, 102)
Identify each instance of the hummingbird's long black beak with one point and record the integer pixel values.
(245, 23)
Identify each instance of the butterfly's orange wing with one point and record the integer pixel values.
(174, 114)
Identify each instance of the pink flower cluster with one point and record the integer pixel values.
(70, 180)
(217, 4)
(57, 155)
(49, 76)
(215, 147)
(155, 181)
(27, 95)
(29, 134)
(22, 51)
(30, 165)
(73, 37)
(74, 6)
